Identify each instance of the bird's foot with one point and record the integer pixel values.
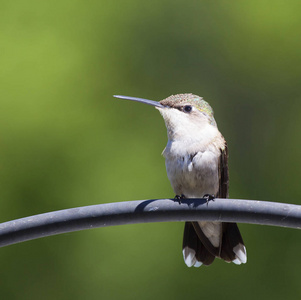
(179, 198)
(209, 197)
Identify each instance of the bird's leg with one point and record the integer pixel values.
(179, 198)
(208, 197)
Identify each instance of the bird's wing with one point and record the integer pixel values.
(232, 245)
(223, 191)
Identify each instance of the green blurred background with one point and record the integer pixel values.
(66, 142)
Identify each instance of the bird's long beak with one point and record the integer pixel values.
(146, 101)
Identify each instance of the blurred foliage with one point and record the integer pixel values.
(65, 142)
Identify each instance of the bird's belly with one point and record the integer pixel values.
(193, 175)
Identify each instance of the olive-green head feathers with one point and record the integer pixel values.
(176, 101)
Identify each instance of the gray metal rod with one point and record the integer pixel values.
(149, 211)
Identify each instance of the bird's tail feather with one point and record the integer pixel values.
(194, 252)
(198, 250)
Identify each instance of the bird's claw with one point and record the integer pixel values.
(209, 197)
(179, 198)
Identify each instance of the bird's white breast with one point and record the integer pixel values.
(192, 163)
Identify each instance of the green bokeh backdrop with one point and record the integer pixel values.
(65, 142)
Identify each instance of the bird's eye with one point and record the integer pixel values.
(187, 108)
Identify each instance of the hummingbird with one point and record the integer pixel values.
(196, 159)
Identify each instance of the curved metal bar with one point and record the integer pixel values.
(149, 211)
